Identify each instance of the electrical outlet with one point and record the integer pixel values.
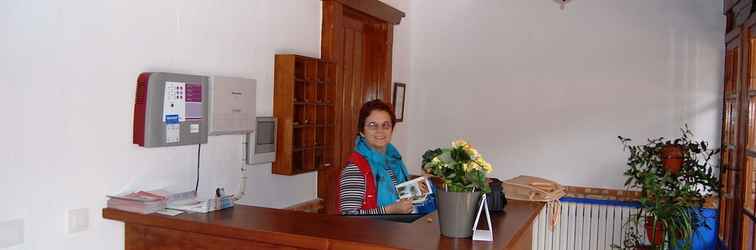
(11, 233)
(78, 220)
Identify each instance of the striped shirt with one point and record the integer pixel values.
(352, 191)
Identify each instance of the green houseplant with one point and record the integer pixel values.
(462, 173)
(461, 168)
(674, 176)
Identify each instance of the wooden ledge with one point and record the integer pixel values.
(375, 9)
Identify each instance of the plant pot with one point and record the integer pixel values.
(672, 158)
(655, 236)
(456, 213)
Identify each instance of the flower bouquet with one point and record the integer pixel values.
(461, 168)
(462, 171)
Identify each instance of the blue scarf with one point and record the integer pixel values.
(379, 163)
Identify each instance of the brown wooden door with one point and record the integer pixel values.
(748, 165)
(729, 139)
(737, 201)
(360, 46)
(353, 85)
(362, 72)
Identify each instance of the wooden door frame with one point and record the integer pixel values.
(739, 38)
(733, 40)
(741, 138)
(744, 58)
(332, 49)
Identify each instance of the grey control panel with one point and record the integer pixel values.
(174, 108)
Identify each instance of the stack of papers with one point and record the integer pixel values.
(209, 205)
(137, 202)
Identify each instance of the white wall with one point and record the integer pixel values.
(68, 72)
(545, 92)
(401, 73)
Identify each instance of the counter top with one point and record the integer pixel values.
(318, 231)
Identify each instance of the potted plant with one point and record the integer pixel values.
(462, 173)
(674, 177)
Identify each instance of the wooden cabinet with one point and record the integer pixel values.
(304, 97)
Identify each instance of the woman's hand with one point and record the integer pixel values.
(403, 206)
(424, 189)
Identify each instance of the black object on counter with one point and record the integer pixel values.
(496, 199)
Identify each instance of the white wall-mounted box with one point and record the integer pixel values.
(232, 105)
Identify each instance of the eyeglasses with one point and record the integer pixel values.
(374, 126)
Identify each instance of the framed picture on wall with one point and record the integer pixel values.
(399, 93)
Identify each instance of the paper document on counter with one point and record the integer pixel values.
(140, 196)
(203, 206)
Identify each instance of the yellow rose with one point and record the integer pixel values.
(476, 166)
(483, 165)
(459, 143)
(487, 167)
(472, 153)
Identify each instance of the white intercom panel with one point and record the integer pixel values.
(232, 105)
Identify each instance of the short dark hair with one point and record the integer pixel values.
(371, 106)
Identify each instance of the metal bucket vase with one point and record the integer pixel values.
(456, 212)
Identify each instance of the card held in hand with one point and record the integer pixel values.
(416, 190)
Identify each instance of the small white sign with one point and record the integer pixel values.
(194, 128)
(172, 133)
(484, 235)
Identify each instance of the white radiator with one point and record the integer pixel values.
(583, 224)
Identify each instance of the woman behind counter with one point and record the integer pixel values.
(367, 183)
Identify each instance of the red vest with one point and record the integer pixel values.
(370, 200)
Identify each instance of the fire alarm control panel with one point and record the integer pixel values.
(170, 109)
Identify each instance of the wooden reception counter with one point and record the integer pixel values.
(247, 227)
